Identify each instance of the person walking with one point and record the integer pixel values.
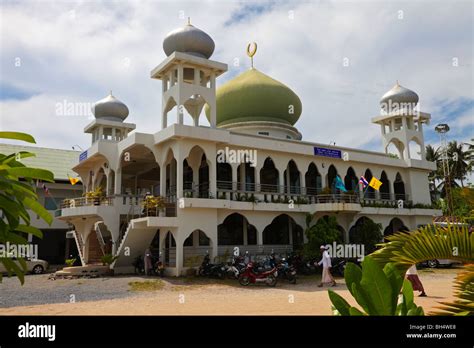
(147, 261)
(326, 277)
(412, 276)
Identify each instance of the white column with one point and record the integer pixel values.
(118, 181)
(212, 104)
(180, 102)
(197, 77)
(213, 175)
(163, 180)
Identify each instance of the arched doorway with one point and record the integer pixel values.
(283, 230)
(235, 230)
(195, 247)
(204, 178)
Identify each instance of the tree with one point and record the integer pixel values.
(458, 161)
(17, 194)
(324, 231)
(366, 232)
(463, 202)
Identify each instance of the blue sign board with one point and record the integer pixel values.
(321, 151)
(83, 156)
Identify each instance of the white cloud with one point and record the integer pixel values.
(80, 55)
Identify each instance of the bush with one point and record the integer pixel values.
(366, 232)
(324, 231)
(70, 262)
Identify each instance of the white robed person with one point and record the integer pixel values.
(326, 278)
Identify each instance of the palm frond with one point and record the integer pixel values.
(464, 292)
(430, 242)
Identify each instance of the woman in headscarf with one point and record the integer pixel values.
(147, 261)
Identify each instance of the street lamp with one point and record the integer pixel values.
(442, 129)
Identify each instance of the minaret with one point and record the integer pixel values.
(401, 121)
(108, 125)
(188, 75)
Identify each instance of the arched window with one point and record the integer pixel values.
(269, 176)
(385, 188)
(292, 173)
(399, 188)
(369, 190)
(313, 180)
(331, 182)
(351, 181)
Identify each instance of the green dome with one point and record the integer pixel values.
(254, 96)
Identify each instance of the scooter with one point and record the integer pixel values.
(286, 271)
(250, 276)
(236, 267)
(207, 269)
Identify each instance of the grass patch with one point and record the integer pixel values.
(148, 285)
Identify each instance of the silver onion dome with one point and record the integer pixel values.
(189, 39)
(110, 108)
(398, 97)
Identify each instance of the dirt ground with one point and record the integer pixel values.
(194, 296)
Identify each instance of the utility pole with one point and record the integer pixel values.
(442, 129)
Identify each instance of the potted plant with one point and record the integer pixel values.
(107, 260)
(153, 204)
(96, 196)
(70, 262)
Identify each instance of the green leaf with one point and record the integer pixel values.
(34, 173)
(18, 136)
(355, 312)
(377, 286)
(352, 274)
(395, 279)
(341, 305)
(38, 209)
(30, 230)
(408, 293)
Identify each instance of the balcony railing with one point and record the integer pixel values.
(85, 201)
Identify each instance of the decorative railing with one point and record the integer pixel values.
(85, 201)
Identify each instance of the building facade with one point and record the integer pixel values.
(54, 247)
(248, 180)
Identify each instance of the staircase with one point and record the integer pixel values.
(95, 250)
(80, 246)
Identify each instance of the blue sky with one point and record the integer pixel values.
(76, 51)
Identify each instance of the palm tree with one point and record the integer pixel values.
(458, 161)
(433, 155)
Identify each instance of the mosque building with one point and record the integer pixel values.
(247, 180)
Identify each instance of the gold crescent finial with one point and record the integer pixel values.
(251, 50)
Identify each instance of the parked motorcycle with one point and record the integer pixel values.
(208, 269)
(236, 267)
(251, 276)
(286, 271)
(338, 267)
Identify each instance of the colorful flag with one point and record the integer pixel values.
(375, 183)
(363, 181)
(339, 184)
(73, 181)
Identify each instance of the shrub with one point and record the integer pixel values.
(366, 232)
